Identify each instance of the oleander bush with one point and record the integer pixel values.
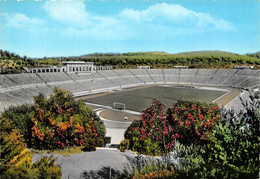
(158, 129)
(193, 121)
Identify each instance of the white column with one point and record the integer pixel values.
(67, 67)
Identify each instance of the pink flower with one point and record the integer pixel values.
(74, 148)
(203, 137)
(194, 107)
(170, 129)
(197, 132)
(201, 117)
(187, 123)
(190, 117)
(165, 130)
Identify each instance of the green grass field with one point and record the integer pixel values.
(138, 99)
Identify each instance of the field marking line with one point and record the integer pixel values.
(221, 96)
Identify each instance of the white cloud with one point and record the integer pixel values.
(106, 28)
(172, 19)
(68, 12)
(131, 14)
(205, 20)
(20, 20)
(176, 14)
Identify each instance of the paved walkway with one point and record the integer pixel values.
(236, 102)
(115, 129)
(73, 166)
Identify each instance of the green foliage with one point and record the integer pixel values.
(152, 148)
(202, 59)
(256, 55)
(12, 63)
(124, 145)
(143, 168)
(20, 116)
(236, 140)
(46, 168)
(16, 161)
(90, 145)
(11, 141)
(43, 168)
(233, 151)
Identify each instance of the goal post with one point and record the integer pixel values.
(118, 105)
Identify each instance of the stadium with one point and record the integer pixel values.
(118, 96)
(129, 89)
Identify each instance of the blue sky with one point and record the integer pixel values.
(38, 28)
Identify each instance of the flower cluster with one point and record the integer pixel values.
(187, 122)
(193, 120)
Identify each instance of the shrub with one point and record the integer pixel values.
(46, 168)
(141, 167)
(59, 121)
(90, 145)
(187, 122)
(11, 141)
(107, 140)
(233, 151)
(20, 116)
(235, 141)
(193, 121)
(16, 161)
(152, 148)
(124, 145)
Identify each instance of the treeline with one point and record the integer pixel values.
(193, 60)
(201, 59)
(13, 63)
(255, 55)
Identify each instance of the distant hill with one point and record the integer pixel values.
(196, 59)
(256, 55)
(12, 63)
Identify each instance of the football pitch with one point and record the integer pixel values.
(140, 98)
